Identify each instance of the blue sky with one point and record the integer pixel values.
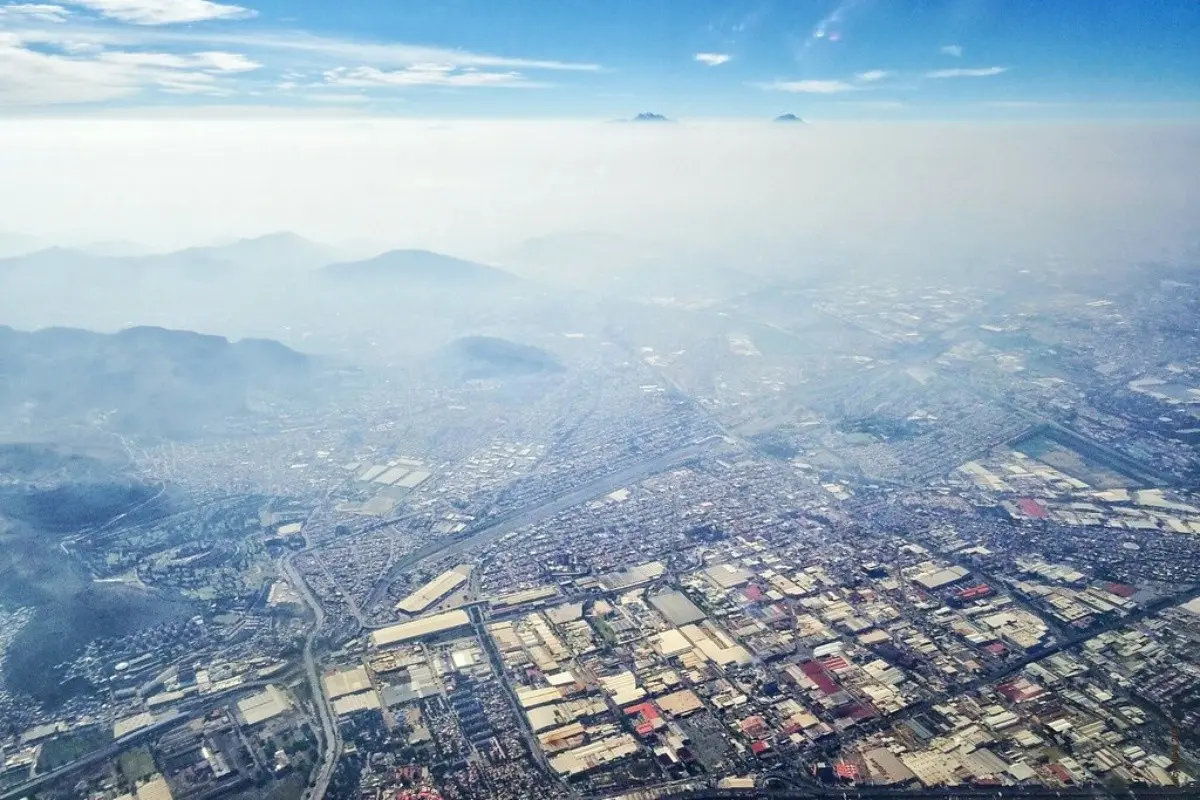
(854, 59)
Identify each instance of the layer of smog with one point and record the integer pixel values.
(516, 449)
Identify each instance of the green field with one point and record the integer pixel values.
(1065, 459)
(65, 749)
(137, 764)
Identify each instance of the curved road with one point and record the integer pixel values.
(330, 735)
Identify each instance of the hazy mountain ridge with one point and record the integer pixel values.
(141, 380)
(18, 244)
(424, 299)
(54, 266)
(284, 250)
(422, 267)
(273, 251)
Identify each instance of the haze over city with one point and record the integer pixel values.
(479, 188)
(638, 399)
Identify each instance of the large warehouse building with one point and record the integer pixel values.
(434, 591)
(422, 628)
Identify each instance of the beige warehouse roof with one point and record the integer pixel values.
(154, 789)
(433, 591)
(263, 706)
(363, 701)
(340, 682)
(420, 628)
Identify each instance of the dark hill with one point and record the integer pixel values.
(47, 493)
(491, 357)
(141, 380)
(649, 116)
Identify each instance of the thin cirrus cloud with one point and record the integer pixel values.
(423, 75)
(39, 12)
(872, 75)
(713, 59)
(80, 59)
(210, 61)
(389, 53)
(952, 50)
(341, 51)
(32, 77)
(809, 86)
(163, 12)
(977, 72)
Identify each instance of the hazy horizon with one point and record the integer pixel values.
(530, 400)
(478, 188)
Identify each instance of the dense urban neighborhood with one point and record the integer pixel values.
(845, 538)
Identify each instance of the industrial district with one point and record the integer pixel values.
(845, 541)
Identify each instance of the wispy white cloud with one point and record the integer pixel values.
(338, 98)
(954, 50)
(225, 62)
(107, 59)
(336, 51)
(978, 72)
(751, 19)
(163, 12)
(872, 75)
(30, 77)
(42, 12)
(191, 83)
(830, 26)
(208, 61)
(809, 86)
(713, 59)
(424, 75)
(385, 54)
(78, 48)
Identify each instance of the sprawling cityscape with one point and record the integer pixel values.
(610, 400)
(839, 539)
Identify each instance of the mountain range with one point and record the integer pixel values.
(16, 244)
(274, 251)
(144, 380)
(417, 268)
(277, 251)
(280, 285)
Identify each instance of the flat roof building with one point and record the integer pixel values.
(340, 682)
(938, 578)
(727, 576)
(676, 608)
(265, 705)
(155, 788)
(634, 576)
(680, 703)
(593, 755)
(351, 703)
(414, 479)
(514, 599)
(434, 591)
(420, 628)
